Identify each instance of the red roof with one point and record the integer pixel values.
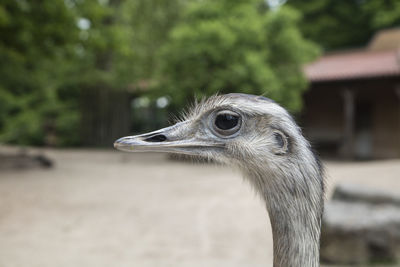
(354, 65)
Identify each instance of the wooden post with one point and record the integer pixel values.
(397, 91)
(349, 110)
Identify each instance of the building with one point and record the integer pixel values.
(352, 108)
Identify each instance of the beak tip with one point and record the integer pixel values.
(125, 144)
(119, 143)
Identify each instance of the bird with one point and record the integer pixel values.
(261, 139)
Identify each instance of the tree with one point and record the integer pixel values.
(117, 56)
(65, 65)
(151, 21)
(235, 46)
(31, 55)
(345, 24)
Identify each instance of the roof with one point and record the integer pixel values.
(381, 58)
(354, 65)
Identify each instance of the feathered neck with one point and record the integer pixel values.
(294, 198)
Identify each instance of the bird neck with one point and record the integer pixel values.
(294, 202)
(296, 232)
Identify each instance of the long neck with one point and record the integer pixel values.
(294, 203)
(296, 231)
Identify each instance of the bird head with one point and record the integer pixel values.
(260, 138)
(229, 129)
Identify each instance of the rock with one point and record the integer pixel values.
(357, 193)
(44, 161)
(24, 160)
(360, 232)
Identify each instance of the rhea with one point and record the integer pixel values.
(258, 136)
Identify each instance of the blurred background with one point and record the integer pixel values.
(75, 75)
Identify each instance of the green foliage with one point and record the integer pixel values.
(59, 56)
(337, 24)
(235, 46)
(383, 14)
(54, 52)
(103, 51)
(32, 52)
(150, 22)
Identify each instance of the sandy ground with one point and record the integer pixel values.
(108, 208)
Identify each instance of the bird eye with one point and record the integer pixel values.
(226, 122)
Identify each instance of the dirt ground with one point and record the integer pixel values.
(107, 208)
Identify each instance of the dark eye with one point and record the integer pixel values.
(226, 123)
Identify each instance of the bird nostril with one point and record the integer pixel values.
(156, 138)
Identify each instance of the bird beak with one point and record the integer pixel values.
(179, 138)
